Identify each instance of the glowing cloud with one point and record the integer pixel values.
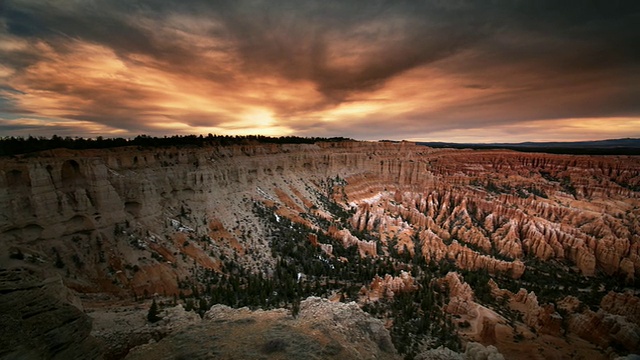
(431, 70)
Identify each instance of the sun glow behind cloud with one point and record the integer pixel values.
(91, 79)
(428, 72)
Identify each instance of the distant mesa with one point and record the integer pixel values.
(598, 147)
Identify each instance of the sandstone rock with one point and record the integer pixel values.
(477, 351)
(473, 351)
(122, 328)
(38, 322)
(322, 329)
(605, 329)
(460, 295)
(441, 353)
(353, 322)
(364, 247)
(543, 318)
(496, 292)
(176, 318)
(488, 333)
(601, 329)
(388, 286)
(570, 304)
(625, 304)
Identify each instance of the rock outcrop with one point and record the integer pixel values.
(624, 304)
(364, 247)
(612, 325)
(460, 294)
(544, 318)
(38, 320)
(388, 286)
(473, 351)
(322, 329)
(606, 330)
(123, 328)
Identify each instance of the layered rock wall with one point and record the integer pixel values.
(480, 209)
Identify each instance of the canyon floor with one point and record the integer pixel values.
(339, 249)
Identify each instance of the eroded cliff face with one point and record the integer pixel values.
(481, 209)
(465, 223)
(133, 222)
(106, 211)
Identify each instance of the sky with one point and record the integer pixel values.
(431, 70)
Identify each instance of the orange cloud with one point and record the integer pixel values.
(428, 70)
(91, 82)
(543, 130)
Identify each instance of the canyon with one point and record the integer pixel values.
(445, 247)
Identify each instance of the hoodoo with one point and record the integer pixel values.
(446, 247)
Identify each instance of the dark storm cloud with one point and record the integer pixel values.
(97, 24)
(290, 38)
(526, 59)
(383, 40)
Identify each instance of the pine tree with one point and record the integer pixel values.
(295, 307)
(188, 306)
(203, 306)
(152, 316)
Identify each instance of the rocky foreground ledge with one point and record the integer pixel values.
(41, 319)
(322, 330)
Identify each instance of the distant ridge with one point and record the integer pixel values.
(626, 146)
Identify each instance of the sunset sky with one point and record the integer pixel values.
(435, 70)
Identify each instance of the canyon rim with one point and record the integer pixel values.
(325, 250)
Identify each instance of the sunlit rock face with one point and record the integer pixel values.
(129, 223)
(465, 205)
